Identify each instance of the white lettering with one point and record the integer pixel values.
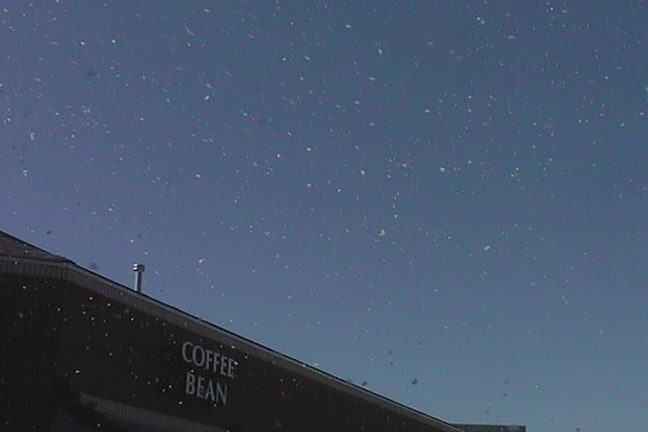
(190, 384)
(221, 393)
(209, 394)
(200, 392)
(217, 363)
(204, 387)
(223, 366)
(209, 358)
(231, 363)
(185, 355)
(198, 355)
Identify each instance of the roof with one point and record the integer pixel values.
(13, 247)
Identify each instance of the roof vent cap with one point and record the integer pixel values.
(139, 270)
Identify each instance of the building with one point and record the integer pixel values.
(80, 352)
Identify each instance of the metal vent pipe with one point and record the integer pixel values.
(139, 270)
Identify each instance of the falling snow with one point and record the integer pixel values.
(357, 178)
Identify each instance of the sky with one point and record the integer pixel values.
(442, 201)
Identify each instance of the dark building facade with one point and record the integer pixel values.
(81, 353)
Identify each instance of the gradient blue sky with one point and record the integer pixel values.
(445, 201)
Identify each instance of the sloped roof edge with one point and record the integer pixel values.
(13, 247)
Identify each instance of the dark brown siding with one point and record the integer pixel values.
(115, 352)
(27, 353)
(66, 342)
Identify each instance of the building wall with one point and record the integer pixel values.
(27, 354)
(96, 355)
